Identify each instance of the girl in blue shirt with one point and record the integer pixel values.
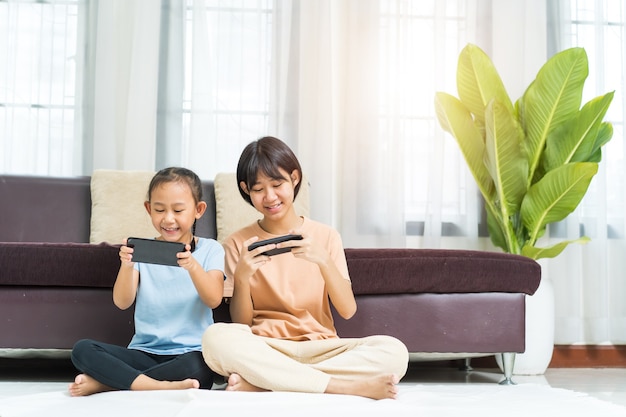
(173, 304)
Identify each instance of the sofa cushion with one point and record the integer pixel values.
(117, 209)
(233, 212)
(59, 264)
(406, 271)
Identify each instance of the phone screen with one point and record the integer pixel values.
(153, 251)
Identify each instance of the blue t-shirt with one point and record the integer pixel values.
(170, 317)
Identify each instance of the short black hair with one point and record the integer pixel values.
(266, 156)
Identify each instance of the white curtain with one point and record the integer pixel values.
(125, 84)
(327, 107)
(226, 68)
(589, 280)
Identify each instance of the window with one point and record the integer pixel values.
(228, 57)
(38, 118)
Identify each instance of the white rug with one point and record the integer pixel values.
(454, 400)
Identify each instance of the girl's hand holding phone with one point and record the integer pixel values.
(126, 254)
(185, 260)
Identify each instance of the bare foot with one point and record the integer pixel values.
(378, 388)
(145, 383)
(85, 385)
(237, 383)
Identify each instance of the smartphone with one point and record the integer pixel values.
(153, 251)
(278, 239)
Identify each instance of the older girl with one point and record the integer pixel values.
(283, 337)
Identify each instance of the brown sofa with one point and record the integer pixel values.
(55, 287)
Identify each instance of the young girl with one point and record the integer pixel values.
(173, 304)
(282, 337)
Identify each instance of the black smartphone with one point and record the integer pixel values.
(278, 239)
(153, 251)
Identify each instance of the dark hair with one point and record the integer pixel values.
(177, 174)
(266, 156)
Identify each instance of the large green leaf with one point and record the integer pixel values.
(478, 82)
(503, 157)
(555, 196)
(550, 251)
(551, 99)
(576, 140)
(455, 118)
(604, 135)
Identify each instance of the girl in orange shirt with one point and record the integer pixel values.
(282, 337)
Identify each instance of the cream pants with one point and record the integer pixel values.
(305, 366)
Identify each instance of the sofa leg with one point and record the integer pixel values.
(508, 362)
(466, 366)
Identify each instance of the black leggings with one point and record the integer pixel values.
(117, 366)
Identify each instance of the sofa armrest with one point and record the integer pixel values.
(59, 264)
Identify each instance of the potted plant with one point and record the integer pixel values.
(533, 160)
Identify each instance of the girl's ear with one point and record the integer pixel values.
(295, 177)
(200, 209)
(146, 204)
(244, 187)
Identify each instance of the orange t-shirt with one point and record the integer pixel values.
(289, 295)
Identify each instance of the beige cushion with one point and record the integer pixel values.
(233, 212)
(117, 209)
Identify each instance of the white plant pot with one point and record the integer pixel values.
(539, 332)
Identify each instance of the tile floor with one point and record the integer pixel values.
(608, 384)
(27, 376)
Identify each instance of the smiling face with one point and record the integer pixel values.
(269, 157)
(273, 197)
(173, 210)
